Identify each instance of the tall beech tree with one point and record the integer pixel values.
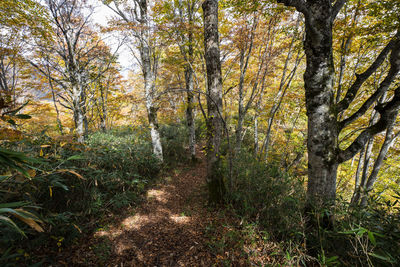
(215, 180)
(138, 22)
(68, 58)
(324, 122)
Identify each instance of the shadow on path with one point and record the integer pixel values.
(167, 229)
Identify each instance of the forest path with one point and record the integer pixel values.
(167, 229)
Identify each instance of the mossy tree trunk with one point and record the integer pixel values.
(215, 180)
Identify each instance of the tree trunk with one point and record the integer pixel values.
(78, 114)
(190, 112)
(104, 111)
(215, 181)
(151, 110)
(189, 79)
(245, 54)
(59, 124)
(79, 125)
(149, 75)
(389, 140)
(322, 126)
(283, 86)
(356, 194)
(256, 147)
(241, 113)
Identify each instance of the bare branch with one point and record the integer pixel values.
(337, 7)
(383, 87)
(361, 78)
(388, 113)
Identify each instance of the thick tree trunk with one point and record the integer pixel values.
(322, 124)
(214, 101)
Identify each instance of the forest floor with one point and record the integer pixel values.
(172, 227)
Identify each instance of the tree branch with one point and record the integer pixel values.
(388, 113)
(337, 7)
(300, 5)
(361, 78)
(383, 87)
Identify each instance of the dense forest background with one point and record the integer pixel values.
(291, 105)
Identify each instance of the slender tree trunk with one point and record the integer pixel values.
(256, 147)
(214, 101)
(59, 124)
(387, 144)
(189, 78)
(104, 111)
(283, 86)
(78, 114)
(149, 75)
(356, 193)
(245, 54)
(79, 125)
(366, 161)
(365, 169)
(241, 113)
(190, 112)
(152, 117)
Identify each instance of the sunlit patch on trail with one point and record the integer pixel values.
(158, 195)
(181, 219)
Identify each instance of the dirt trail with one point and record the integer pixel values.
(168, 228)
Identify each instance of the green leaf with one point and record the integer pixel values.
(76, 157)
(13, 204)
(4, 177)
(332, 259)
(361, 231)
(23, 116)
(372, 238)
(12, 122)
(381, 257)
(7, 221)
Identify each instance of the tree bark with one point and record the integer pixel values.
(215, 180)
(360, 165)
(189, 80)
(256, 147)
(190, 112)
(322, 125)
(78, 117)
(149, 75)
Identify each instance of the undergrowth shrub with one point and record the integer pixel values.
(264, 194)
(174, 138)
(74, 186)
(273, 201)
(363, 236)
